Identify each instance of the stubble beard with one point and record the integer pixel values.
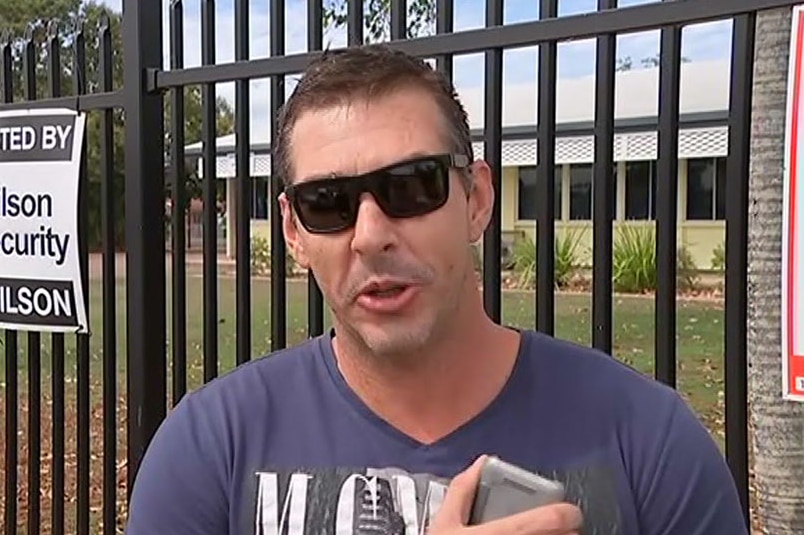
(401, 341)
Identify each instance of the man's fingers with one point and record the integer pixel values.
(457, 504)
(558, 519)
(453, 515)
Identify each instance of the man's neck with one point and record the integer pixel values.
(443, 389)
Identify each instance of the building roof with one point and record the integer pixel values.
(704, 88)
(703, 107)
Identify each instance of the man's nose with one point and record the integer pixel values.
(374, 231)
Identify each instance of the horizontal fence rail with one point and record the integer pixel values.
(85, 103)
(138, 184)
(623, 20)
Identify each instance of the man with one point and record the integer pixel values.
(371, 427)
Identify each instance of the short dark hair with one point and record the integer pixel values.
(367, 72)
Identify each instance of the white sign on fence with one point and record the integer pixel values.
(40, 274)
(793, 226)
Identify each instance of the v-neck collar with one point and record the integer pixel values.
(470, 427)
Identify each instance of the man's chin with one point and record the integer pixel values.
(393, 340)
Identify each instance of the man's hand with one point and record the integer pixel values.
(451, 519)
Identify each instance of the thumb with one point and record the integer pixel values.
(457, 504)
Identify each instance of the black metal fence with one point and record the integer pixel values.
(156, 377)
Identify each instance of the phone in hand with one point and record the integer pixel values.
(506, 489)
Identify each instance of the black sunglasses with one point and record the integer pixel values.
(409, 188)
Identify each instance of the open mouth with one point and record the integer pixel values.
(388, 297)
(387, 291)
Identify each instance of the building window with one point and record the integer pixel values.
(581, 191)
(259, 198)
(706, 189)
(640, 190)
(720, 189)
(529, 193)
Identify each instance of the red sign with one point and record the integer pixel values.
(793, 223)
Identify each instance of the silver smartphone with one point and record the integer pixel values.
(506, 489)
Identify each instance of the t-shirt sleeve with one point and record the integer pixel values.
(687, 488)
(180, 488)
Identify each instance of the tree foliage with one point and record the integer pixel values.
(16, 16)
(421, 22)
(31, 18)
(627, 63)
(377, 13)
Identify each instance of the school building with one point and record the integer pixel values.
(703, 147)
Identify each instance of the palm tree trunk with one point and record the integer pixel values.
(777, 425)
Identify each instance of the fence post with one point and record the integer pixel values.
(145, 234)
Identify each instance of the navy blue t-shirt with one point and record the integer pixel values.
(282, 445)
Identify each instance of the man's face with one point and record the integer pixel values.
(422, 262)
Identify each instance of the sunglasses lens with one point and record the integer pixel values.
(326, 207)
(409, 189)
(413, 189)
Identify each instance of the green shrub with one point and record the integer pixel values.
(523, 259)
(566, 257)
(260, 256)
(686, 271)
(719, 257)
(523, 262)
(634, 260)
(634, 266)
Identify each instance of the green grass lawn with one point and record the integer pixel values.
(699, 333)
(699, 342)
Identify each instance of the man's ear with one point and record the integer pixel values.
(481, 199)
(292, 233)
